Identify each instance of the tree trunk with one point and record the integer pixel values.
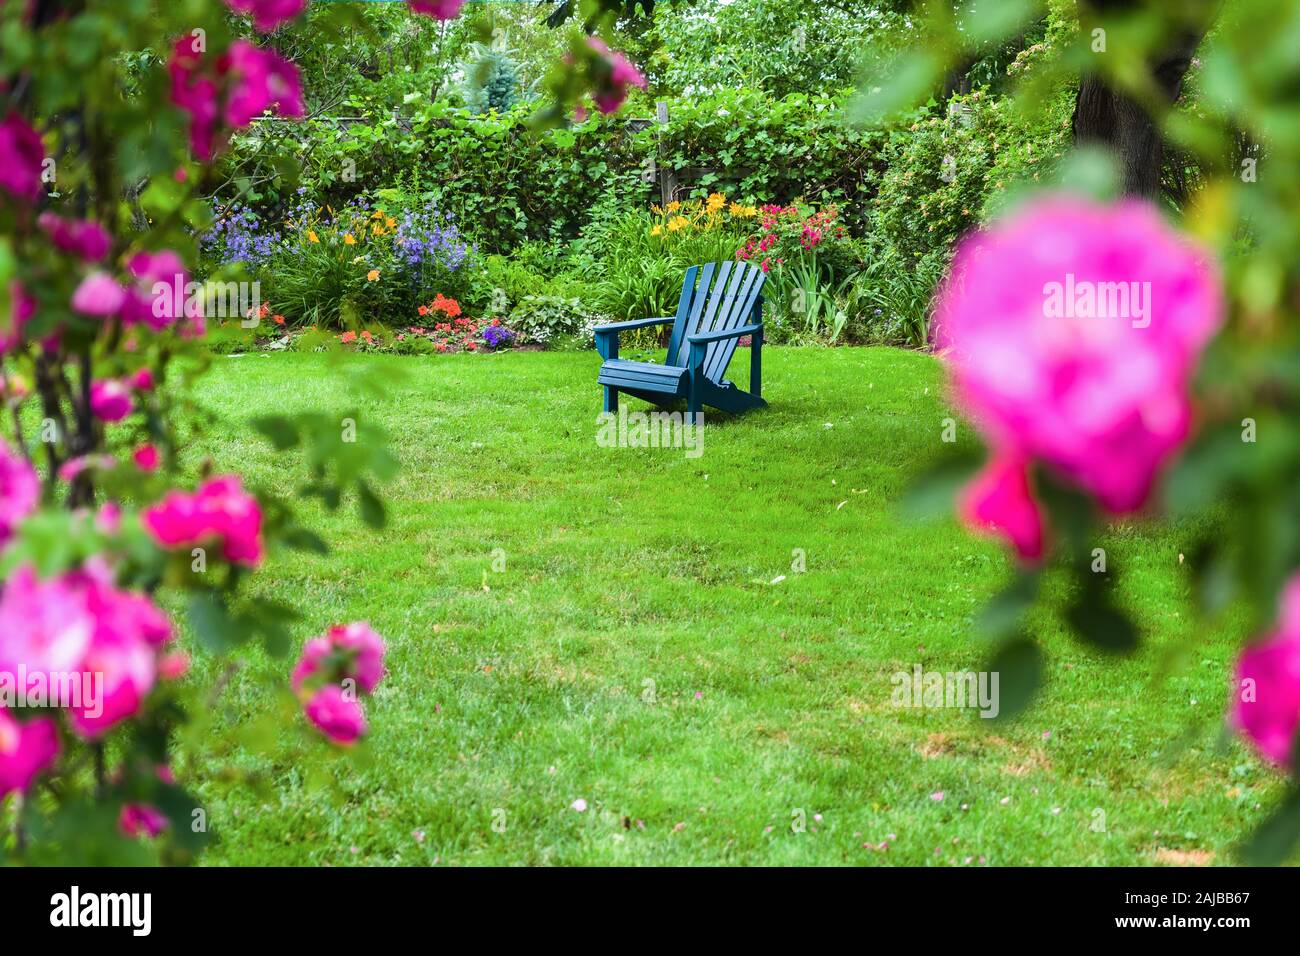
(1107, 117)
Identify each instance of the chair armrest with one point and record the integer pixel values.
(635, 324)
(706, 337)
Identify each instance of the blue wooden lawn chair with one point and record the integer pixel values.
(706, 330)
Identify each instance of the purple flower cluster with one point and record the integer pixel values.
(238, 236)
(497, 335)
(429, 237)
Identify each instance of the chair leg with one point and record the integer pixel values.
(611, 399)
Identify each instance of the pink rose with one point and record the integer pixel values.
(1266, 708)
(617, 76)
(1070, 333)
(21, 157)
(268, 14)
(99, 294)
(110, 400)
(141, 819)
(26, 749)
(438, 9)
(22, 308)
(253, 80)
(337, 714)
(84, 238)
(158, 297)
(20, 491)
(346, 651)
(146, 458)
(142, 381)
(219, 511)
(999, 501)
(45, 625)
(264, 79)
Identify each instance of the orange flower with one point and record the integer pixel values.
(372, 275)
(349, 240)
(423, 310)
(367, 336)
(450, 306)
(348, 336)
(278, 319)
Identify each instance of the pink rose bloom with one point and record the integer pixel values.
(219, 511)
(110, 400)
(44, 624)
(196, 94)
(20, 491)
(337, 716)
(346, 651)
(108, 519)
(26, 749)
(622, 74)
(1267, 711)
(99, 294)
(158, 297)
(21, 156)
(71, 468)
(141, 819)
(264, 79)
(438, 9)
(22, 308)
(268, 14)
(1071, 331)
(146, 458)
(123, 651)
(999, 501)
(174, 666)
(84, 238)
(142, 381)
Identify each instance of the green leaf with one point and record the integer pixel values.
(372, 509)
(281, 431)
(931, 495)
(216, 630)
(1018, 662)
(1274, 840)
(302, 539)
(1002, 616)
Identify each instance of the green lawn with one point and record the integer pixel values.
(639, 652)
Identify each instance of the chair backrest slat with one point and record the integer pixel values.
(715, 364)
(723, 298)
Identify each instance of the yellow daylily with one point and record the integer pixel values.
(658, 230)
(311, 236)
(716, 201)
(678, 223)
(349, 240)
(674, 206)
(372, 275)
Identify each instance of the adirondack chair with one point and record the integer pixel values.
(716, 299)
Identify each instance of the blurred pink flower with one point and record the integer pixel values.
(253, 80)
(44, 624)
(1071, 331)
(22, 308)
(337, 715)
(622, 74)
(345, 651)
(99, 294)
(439, 9)
(219, 511)
(268, 14)
(20, 490)
(1267, 709)
(141, 819)
(110, 400)
(21, 156)
(146, 457)
(26, 749)
(84, 238)
(142, 380)
(158, 297)
(998, 500)
(263, 79)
